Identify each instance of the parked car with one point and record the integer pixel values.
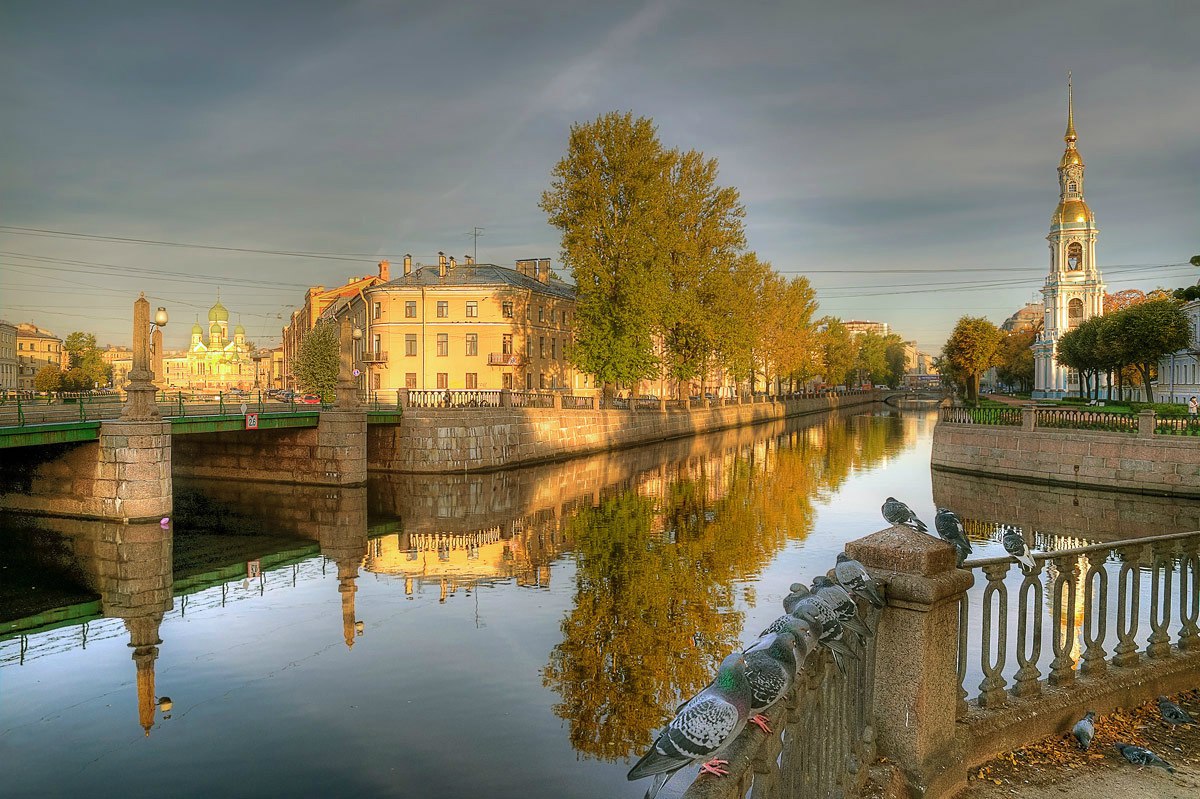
(309, 399)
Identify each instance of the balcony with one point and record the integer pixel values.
(503, 359)
(373, 357)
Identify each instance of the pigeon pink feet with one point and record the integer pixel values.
(714, 767)
(760, 721)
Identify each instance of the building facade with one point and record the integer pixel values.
(36, 349)
(9, 364)
(468, 326)
(1179, 372)
(1074, 289)
(1027, 320)
(317, 300)
(859, 326)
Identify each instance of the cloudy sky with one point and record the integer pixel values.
(902, 155)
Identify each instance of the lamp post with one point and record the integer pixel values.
(139, 394)
(347, 392)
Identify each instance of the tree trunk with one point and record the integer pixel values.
(1144, 368)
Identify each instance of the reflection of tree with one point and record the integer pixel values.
(656, 566)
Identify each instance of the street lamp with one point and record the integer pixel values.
(139, 394)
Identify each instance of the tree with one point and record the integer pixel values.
(1081, 349)
(971, 350)
(1014, 365)
(837, 349)
(316, 366)
(86, 361)
(897, 360)
(1142, 334)
(48, 379)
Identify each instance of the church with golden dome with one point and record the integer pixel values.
(215, 360)
(1074, 289)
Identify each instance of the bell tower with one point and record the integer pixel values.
(1074, 289)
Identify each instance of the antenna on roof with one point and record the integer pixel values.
(475, 234)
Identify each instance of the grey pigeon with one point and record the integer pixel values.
(798, 592)
(1085, 729)
(853, 576)
(701, 729)
(1141, 756)
(771, 665)
(1173, 713)
(828, 626)
(951, 529)
(896, 512)
(837, 598)
(1014, 544)
(801, 631)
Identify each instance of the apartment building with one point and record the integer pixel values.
(36, 348)
(8, 356)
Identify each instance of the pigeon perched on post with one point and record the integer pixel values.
(896, 512)
(826, 624)
(951, 529)
(1014, 544)
(1173, 713)
(771, 667)
(1085, 730)
(701, 729)
(1141, 756)
(853, 576)
(837, 598)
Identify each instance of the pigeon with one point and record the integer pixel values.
(701, 729)
(798, 592)
(896, 512)
(1014, 544)
(828, 627)
(771, 666)
(1141, 756)
(1085, 729)
(853, 576)
(837, 598)
(951, 529)
(1173, 713)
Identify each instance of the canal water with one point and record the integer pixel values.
(518, 634)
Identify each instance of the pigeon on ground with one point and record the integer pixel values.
(853, 576)
(1085, 729)
(896, 512)
(798, 592)
(1173, 713)
(1014, 544)
(837, 598)
(951, 529)
(771, 666)
(701, 729)
(1141, 756)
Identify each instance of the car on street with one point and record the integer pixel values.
(309, 399)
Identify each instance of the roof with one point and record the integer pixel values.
(482, 275)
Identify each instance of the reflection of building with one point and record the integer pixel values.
(1074, 289)
(36, 349)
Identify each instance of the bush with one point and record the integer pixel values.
(1161, 408)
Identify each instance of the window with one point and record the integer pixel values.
(376, 310)
(553, 348)
(542, 347)
(508, 380)
(541, 379)
(443, 380)
(472, 309)
(1073, 187)
(506, 309)
(443, 346)
(375, 380)
(410, 379)
(528, 381)
(566, 319)
(443, 309)
(506, 344)
(410, 344)
(472, 345)
(529, 346)
(1075, 256)
(541, 313)
(376, 344)
(472, 379)
(1074, 313)
(410, 309)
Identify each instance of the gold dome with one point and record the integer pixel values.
(1070, 158)
(1072, 213)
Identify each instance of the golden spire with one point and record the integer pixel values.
(1070, 137)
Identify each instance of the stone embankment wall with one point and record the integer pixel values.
(1163, 465)
(439, 440)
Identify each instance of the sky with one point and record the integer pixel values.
(900, 155)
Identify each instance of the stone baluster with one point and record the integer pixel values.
(1095, 619)
(1129, 582)
(1189, 594)
(1027, 680)
(991, 689)
(1062, 639)
(1159, 643)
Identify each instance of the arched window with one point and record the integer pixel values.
(1073, 187)
(1074, 313)
(1075, 256)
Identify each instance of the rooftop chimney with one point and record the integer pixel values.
(407, 264)
(544, 270)
(468, 260)
(385, 270)
(441, 264)
(453, 263)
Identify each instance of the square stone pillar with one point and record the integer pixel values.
(133, 475)
(916, 646)
(342, 447)
(1147, 421)
(1028, 417)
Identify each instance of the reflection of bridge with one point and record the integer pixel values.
(923, 398)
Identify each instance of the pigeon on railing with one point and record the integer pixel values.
(1085, 730)
(1141, 756)
(1014, 544)
(896, 512)
(853, 576)
(826, 624)
(951, 529)
(838, 599)
(704, 726)
(1173, 713)
(798, 592)
(771, 669)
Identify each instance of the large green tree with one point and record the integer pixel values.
(1080, 349)
(316, 365)
(49, 379)
(971, 350)
(1142, 334)
(1015, 360)
(86, 366)
(838, 350)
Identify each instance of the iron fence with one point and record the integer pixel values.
(989, 415)
(1177, 426)
(1071, 588)
(646, 404)
(1086, 420)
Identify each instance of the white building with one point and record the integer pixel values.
(1179, 372)
(1074, 290)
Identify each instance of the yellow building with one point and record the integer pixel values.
(36, 349)
(465, 326)
(316, 301)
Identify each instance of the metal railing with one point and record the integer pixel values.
(1086, 420)
(1087, 632)
(1176, 426)
(452, 398)
(827, 741)
(646, 404)
(990, 415)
